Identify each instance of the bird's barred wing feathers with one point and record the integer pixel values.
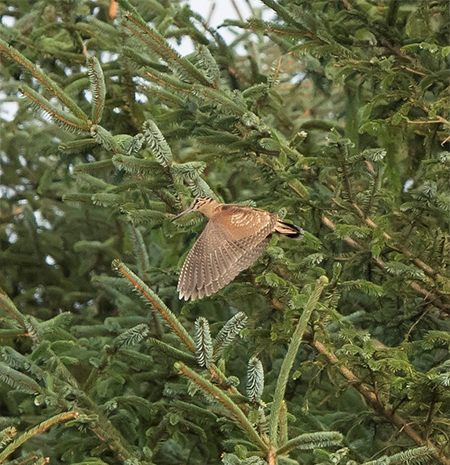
(226, 247)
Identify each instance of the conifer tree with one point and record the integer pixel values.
(334, 349)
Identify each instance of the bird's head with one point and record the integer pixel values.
(204, 205)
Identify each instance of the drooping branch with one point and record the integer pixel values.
(402, 424)
(427, 269)
(156, 303)
(226, 401)
(52, 86)
(429, 296)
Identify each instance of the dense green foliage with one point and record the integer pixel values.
(334, 349)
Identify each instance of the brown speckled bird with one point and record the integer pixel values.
(233, 239)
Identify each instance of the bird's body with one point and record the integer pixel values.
(233, 239)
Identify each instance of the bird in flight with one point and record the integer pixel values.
(233, 239)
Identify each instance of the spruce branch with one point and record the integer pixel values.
(93, 182)
(269, 27)
(428, 270)
(41, 461)
(78, 197)
(103, 137)
(300, 189)
(110, 436)
(221, 379)
(203, 342)
(20, 362)
(39, 429)
(151, 217)
(7, 435)
(98, 88)
(157, 143)
(64, 120)
(129, 83)
(169, 81)
(54, 88)
(189, 171)
(209, 64)
(282, 12)
(127, 6)
(7, 304)
(255, 379)
(158, 44)
(226, 401)
(283, 424)
(142, 61)
(344, 164)
(155, 302)
(172, 352)
(218, 97)
(98, 369)
(229, 332)
(288, 361)
(140, 250)
(375, 402)
(416, 456)
(193, 408)
(18, 380)
(163, 96)
(35, 459)
(74, 147)
(134, 356)
(136, 166)
(135, 145)
(386, 41)
(132, 336)
(200, 188)
(428, 295)
(12, 334)
(310, 441)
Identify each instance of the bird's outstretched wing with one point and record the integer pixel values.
(231, 241)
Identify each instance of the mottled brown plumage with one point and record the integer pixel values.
(233, 239)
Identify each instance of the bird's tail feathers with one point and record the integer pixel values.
(289, 230)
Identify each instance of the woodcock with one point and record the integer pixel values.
(233, 239)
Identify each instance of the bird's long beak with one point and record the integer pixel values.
(188, 210)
